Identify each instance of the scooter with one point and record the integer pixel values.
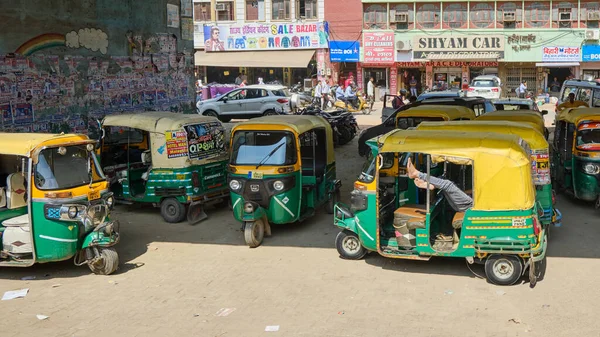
(362, 104)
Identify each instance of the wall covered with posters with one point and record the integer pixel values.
(66, 63)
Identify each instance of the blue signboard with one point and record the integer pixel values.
(591, 53)
(344, 51)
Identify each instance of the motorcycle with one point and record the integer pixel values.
(363, 106)
(342, 122)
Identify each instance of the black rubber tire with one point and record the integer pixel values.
(270, 112)
(512, 265)
(348, 246)
(254, 232)
(335, 197)
(109, 263)
(345, 135)
(172, 210)
(211, 113)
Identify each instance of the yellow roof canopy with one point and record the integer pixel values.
(23, 144)
(527, 116)
(576, 115)
(156, 121)
(447, 112)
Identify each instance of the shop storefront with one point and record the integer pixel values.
(378, 61)
(344, 56)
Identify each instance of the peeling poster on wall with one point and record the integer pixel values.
(186, 8)
(187, 29)
(172, 16)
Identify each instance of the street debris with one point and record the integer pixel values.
(448, 292)
(545, 305)
(27, 278)
(500, 292)
(272, 328)
(10, 295)
(113, 282)
(223, 312)
(41, 317)
(56, 285)
(341, 312)
(515, 320)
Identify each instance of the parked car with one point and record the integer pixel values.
(487, 86)
(517, 104)
(478, 104)
(247, 102)
(440, 94)
(587, 91)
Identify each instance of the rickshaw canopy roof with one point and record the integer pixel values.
(527, 131)
(159, 121)
(298, 124)
(22, 144)
(448, 112)
(576, 115)
(496, 158)
(528, 116)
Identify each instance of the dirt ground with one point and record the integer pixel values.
(174, 279)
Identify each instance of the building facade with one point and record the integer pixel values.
(281, 41)
(448, 43)
(345, 19)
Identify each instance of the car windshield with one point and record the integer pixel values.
(484, 83)
(411, 122)
(588, 137)
(263, 147)
(512, 106)
(66, 167)
(367, 174)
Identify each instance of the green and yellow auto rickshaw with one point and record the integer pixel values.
(282, 168)
(521, 116)
(54, 203)
(174, 161)
(576, 153)
(540, 157)
(422, 113)
(500, 230)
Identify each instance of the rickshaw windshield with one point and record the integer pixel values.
(589, 139)
(122, 135)
(274, 148)
(66, 167)
(367, 174)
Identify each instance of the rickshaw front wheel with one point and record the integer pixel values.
(107, 263)
(254, 232)
(348, 246)
(503, 270)
(172, 210)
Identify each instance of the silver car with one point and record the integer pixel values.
(486, 86)
(247, 102)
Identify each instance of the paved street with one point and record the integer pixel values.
(174, 278)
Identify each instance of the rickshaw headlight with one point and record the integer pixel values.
(278, 185)
(591, 168)
(72, 212)
(248, 207)
(235, 185)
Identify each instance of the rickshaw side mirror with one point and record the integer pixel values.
(544, 112)
(146, 157)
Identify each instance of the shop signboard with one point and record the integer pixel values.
(561, 54)
(458, 47)
(590, 53)
(262, 36)
(379, 47)
(344, 51)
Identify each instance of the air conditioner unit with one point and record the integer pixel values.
(593, 16)
(592, 34)
(402, 45)
(509, 16)
(565, 16)
(401, 17)
(221, 7)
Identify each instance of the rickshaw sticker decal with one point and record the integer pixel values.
(176, 144)
(205, 140)
(519, 222)
(284, 206)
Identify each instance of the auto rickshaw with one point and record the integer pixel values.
(55, 203)
(500, 230)
(413, 116)
(576, 153)
(540, 157)
(282, 168)
(174, 161)
(528, 116)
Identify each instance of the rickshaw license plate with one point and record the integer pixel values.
(93, 195)
(256, 175)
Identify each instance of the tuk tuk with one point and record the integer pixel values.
(500, 230)
(576, 153)
(528, 116)
(173, 161)
(55, 203)
(540, 158)
(282, 168)
(414, 116)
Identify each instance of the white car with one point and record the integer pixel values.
(486, 86)
(247, 102)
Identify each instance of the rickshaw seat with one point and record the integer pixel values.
(15, 196)
(19, 221)
(457, 220)
(2, 197)
(414, 215)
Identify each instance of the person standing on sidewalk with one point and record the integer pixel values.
(523, 89)
(371, 93)
(413, 86)
(325, 91)
(318, 93)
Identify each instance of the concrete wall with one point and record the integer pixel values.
(66, 62)
(345, 19)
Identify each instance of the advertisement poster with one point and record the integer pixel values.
(172, 16)
(590, 53)
(344, 51)
(186, 8)
(379, 47)
(260, 36)
(540, 166)
(176, 144)
(187, 29)
(393, 81)
(561, 54)
(6, 111)
(23, 113)
(205, 140)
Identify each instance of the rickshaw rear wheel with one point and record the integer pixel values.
(254, 232)
(348, 246)
(108, 262)
(503, 270)
(335, 197)
(172, 210)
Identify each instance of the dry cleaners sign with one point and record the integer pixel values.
(458, 47)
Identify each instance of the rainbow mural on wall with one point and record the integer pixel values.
(40, 42)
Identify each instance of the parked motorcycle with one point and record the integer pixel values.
(342, 122)
(363, 106)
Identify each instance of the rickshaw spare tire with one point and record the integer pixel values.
(108, 262)
(254, 232)
(348, 246)
(172, 210)
(335, 197)
(503, 270)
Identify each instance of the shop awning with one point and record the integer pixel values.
(266, 59)
(557, 64)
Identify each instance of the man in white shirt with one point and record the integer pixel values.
(318, 93)
(371, 93)
(325, 90)
(522, 89)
